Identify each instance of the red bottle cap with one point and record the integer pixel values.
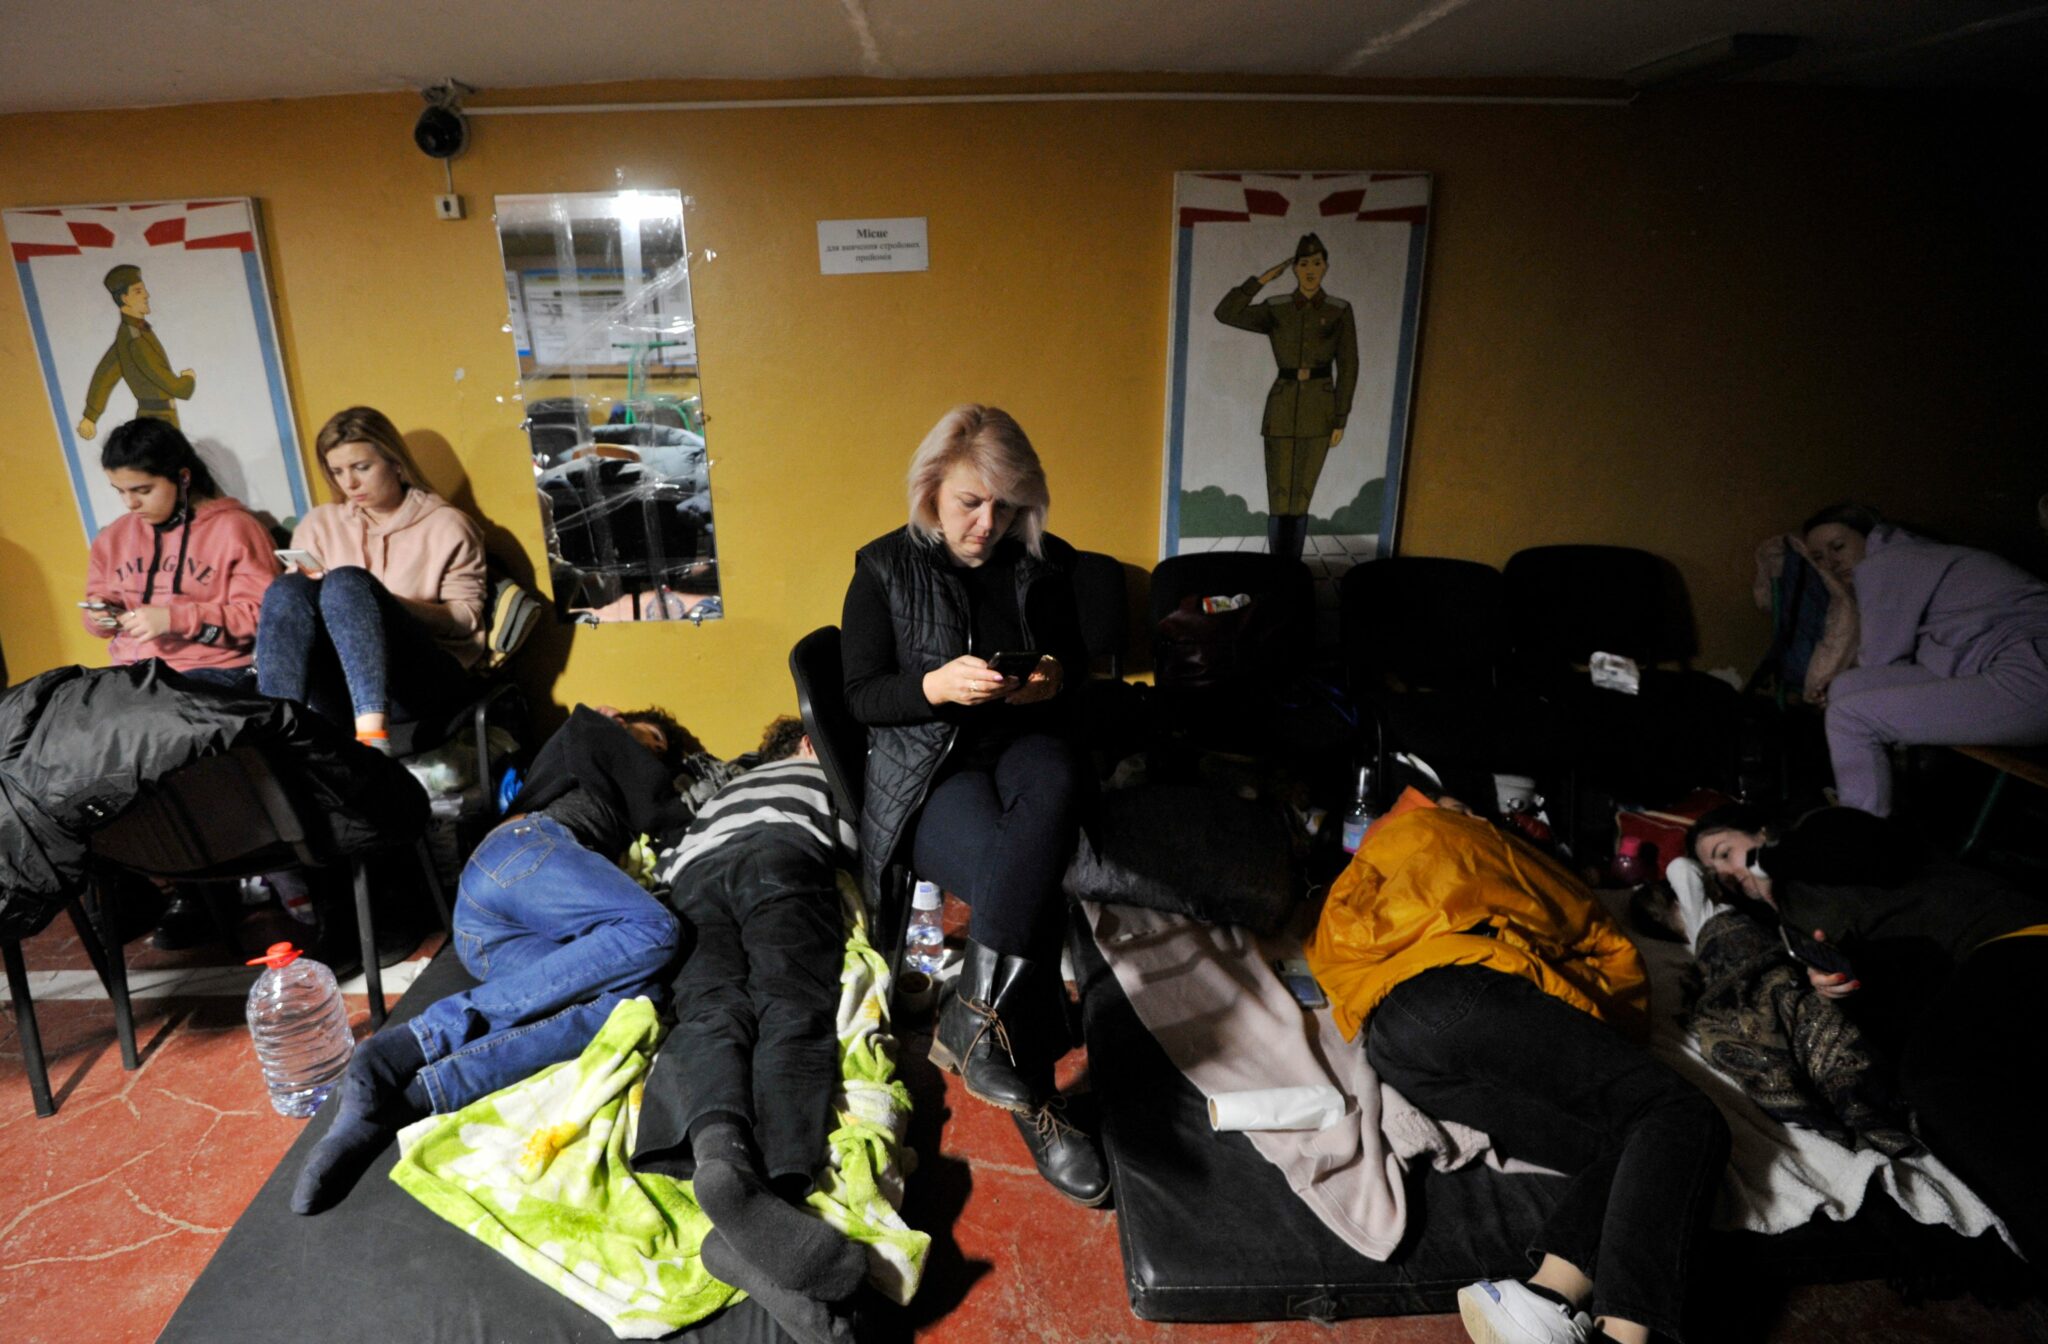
(278, 954)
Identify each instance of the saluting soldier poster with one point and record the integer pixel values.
(1291, 363)
(160, 309)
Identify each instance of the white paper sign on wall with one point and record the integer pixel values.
(857, 246)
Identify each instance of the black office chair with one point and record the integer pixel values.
(1112, 711)
(93, 936)
(1219, 676)
(223, 817)
(1104, 604)
(568, 411)
(490, 699)
(841, 742)
(1680, 731)
(1425, 644)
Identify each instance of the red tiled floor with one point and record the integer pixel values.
(109, 1209)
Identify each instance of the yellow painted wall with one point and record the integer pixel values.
(1675, 325)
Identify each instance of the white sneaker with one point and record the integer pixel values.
(1509, 1313)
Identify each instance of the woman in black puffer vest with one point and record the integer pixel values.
(976, 778)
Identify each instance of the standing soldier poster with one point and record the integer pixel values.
(1292, 358)
(160, 309)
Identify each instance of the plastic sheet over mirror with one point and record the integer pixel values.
(598, 291)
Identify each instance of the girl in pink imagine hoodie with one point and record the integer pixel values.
(391, 619)
(181, 575)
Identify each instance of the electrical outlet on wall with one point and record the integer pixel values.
(448, 207)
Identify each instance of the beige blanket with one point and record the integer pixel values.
(1210, 997)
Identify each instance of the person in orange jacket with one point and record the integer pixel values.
(1493, 990)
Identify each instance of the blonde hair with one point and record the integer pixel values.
(994, 444)
(366, 424)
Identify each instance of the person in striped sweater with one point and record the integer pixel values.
(740, 1096)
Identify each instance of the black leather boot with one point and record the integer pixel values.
(1071, 1161)
(971, 1038)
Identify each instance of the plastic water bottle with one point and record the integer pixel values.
(300, 1027)
(1360, 816)
(924, 945)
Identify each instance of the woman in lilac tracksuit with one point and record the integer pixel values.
(1954, 650)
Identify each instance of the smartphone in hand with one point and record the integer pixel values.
(304, 561)
(1018, 665)
(1823, 957)
(106, 615)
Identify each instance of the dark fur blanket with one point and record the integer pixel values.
(1795, 1053)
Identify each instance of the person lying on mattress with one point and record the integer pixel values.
(557, 934)
(1940, 963)
(740, 1096)
(1492, 990)
(1798, 1055)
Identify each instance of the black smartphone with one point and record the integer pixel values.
(1823, 957)
(1014, 664)
(1301, 982)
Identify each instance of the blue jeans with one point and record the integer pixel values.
(559, 937)
(1643, 1148)
(342, 644)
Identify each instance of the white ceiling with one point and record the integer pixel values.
(128, 53)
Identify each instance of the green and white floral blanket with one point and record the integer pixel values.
(539, 1171)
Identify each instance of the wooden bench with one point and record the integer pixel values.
(2029, 764)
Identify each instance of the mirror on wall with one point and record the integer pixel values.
(598, 288)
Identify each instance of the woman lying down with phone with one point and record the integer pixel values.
(1939, 965)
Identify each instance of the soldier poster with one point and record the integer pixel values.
(1291, 362)
(160, 309)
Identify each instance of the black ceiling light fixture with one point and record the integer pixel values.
(1715, 61)
(442, 131)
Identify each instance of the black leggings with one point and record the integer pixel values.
(1642, 1148)
(999, 836)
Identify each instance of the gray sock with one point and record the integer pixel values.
(799, 1252)
(805, 1319)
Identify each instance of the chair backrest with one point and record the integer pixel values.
(1103, 601)
(839, 739)
(1431, 623)
(568, 411)
(553, 443)
(222, 815)
(1567, 602)
(1284, 587)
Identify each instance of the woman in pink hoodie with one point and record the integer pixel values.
(181, 575)
(388, 620)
